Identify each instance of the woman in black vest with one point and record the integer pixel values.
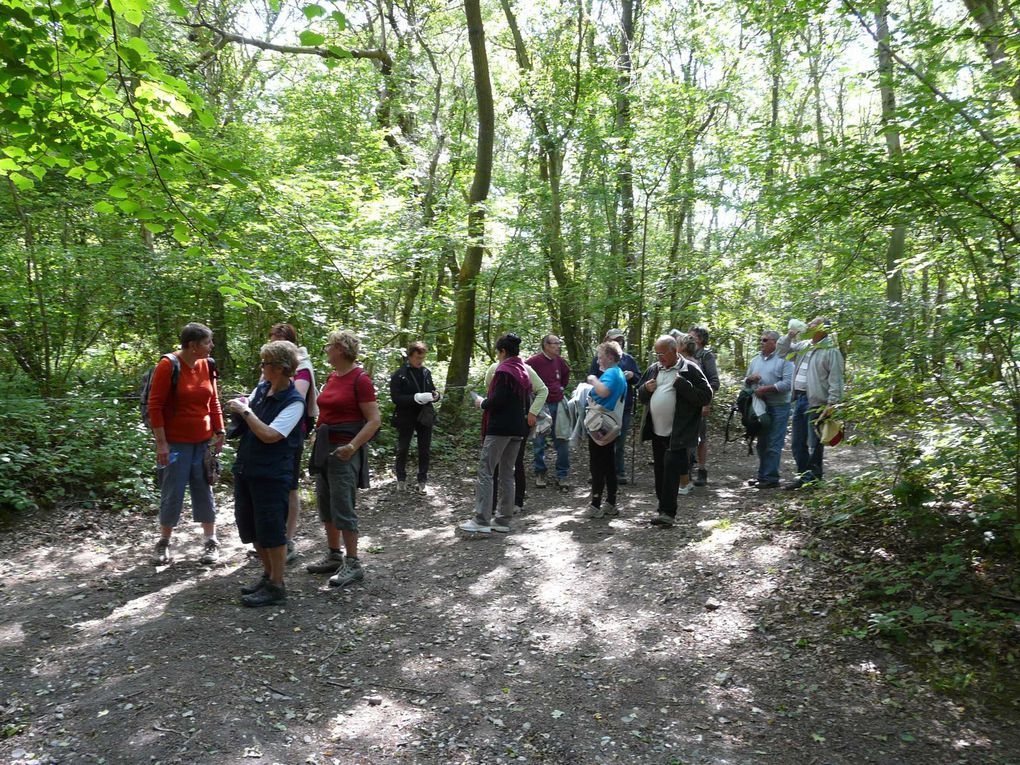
(265, 466)
(413, 394)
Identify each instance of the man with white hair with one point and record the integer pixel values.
(674, 391)
(772, 377)
(817, 389)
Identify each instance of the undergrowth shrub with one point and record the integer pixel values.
(78, 448)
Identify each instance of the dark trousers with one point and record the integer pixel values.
(404, 446)
(602, 464)
(669, 466)
(519, 481)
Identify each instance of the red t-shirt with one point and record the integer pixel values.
(339, 403)
(192, 413)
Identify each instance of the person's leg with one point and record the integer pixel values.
(424, 433)
(815, 447)
(403, 447)
(334, 557)
(506, 472)
(344, 485)
(596, 466)
(562, 459)
(520, 483)
(674, 464)
(658, 454)
(538, 461)
(203, 510)
(173, 479)
(270, 506)
(780, 415)
(612, 479)
(799, 434)
(488, 461)
(761, 448)
(619, 445)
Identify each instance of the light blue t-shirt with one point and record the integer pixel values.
(613, 379)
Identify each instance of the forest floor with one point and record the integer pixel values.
(566, 641)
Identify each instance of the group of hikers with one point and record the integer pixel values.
(522, 398)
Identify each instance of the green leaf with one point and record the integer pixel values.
(155, 228)
(340, 19)
(9, 165)
(133, 16)
(104, 207)
(178, 7)
(182, 233)
(313, 10)
(311, 39)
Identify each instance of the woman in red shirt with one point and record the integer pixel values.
(348, 418)
(186, 418)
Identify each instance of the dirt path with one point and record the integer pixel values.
(569, 641)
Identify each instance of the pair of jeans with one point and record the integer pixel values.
(186, 470)
(668, 466)
(603, 472)
(497, 452)
(404, 434)
(807, 447)
(561, 445)
(620, 443)
(770, 443)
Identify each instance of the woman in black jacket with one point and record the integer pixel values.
(413, 394)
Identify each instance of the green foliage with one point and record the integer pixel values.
(80, 451)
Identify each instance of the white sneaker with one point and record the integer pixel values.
(540, 480)
(473, 527)
(685, 490)
(593, 512)
(611, 510)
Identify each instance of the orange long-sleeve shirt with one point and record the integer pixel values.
(191, 415)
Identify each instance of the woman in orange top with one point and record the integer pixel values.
(186, 418)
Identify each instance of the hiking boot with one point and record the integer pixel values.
(701, 479)
(594, 513)
(753, 481)
(666, 521)
(161, 554)
(474, 527)
(268, 595)
(401, 487)
(683, 491)
(350, 573)
(422, 488)
(518, 510)
(292, 554)
(502, 525)
(330, 562)
(563, 484)
(248, 589)
(763, 485)
(210, 552)
(611, 509)
(540, 480)
(793, 485)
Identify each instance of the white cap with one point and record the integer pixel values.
(796, 324)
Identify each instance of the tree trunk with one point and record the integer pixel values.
(988, 17)
(625, 168)
(892, 340)
(467, 278)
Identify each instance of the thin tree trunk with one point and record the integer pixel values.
(467, 278)
(892, 340)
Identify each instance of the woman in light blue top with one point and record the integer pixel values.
(607, 390)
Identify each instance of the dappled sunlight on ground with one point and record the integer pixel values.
(567, 641)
